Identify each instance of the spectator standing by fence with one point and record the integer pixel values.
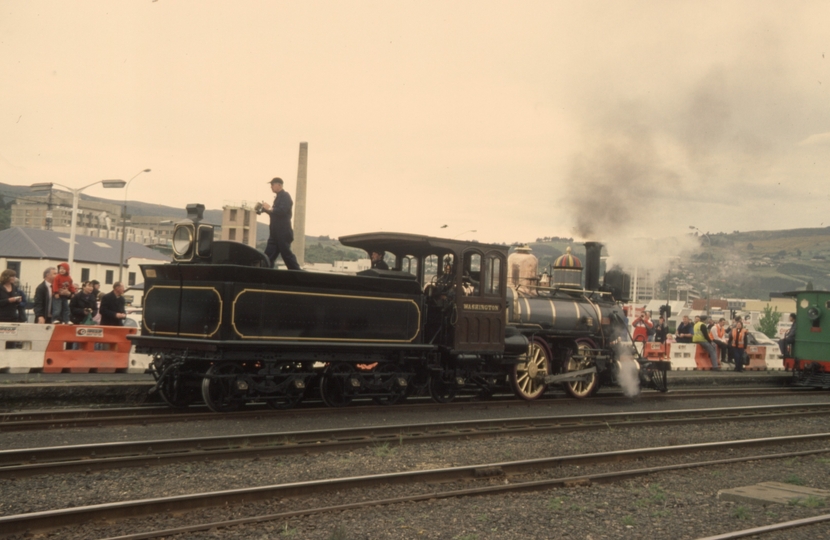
(113, 311)
(738, 342)
(10, 297)
(83, 306)
(43, 297)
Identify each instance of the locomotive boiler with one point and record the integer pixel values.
(445, 320)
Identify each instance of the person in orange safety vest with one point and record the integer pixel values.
(738, 340)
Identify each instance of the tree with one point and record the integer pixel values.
(768, 323)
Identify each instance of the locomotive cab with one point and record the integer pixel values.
(464, 285)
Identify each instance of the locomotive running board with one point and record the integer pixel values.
(571, 376)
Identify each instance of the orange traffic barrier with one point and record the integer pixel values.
(702, 358)
(756, 356)
(657, 351)
(88, 349)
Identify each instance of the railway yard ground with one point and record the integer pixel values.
(622, 470)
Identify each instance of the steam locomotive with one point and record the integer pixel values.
(450, 317)
(809, 357)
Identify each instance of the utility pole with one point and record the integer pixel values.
(49, 211)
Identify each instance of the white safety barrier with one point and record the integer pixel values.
(139, 363)
(23, 346)
(23, 349)
(773, 358)
(683, 356)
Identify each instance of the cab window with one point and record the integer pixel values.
(409, 264)
(492, 275)
(471, 278)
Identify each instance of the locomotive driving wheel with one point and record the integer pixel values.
(336, 385)
(589, 383)
(219, 387)
(528, 375)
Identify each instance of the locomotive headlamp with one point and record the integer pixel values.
(183, 240)
(813, 313)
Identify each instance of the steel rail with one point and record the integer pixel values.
(24, 462)
(767, 528)
(43, 420)
(50, 519)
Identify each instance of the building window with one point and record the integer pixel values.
(232, 234)
(84, 274)
(108, 280)
(14, 265)
(245, 236)
(233, 215)
(131, 279)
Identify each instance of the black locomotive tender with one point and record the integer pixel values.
(451, 317)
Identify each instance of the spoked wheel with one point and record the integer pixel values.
(282, 377)
(219, 388)
(442, 387)
(590, 384)
(176, 393)
(397, 393)
(528, 375)
(335, 385)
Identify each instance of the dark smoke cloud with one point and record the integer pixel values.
(617, 174)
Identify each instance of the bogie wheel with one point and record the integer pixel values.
(176, 393)
(283, 374)
(442, 387)
(219, 388)
(335, 385)
(590, 384)
(528, 375)
(397, 393)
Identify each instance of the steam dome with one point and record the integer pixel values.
(567, 271)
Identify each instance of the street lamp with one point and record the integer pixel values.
(708, 269)
(47, 186)
(124, 225)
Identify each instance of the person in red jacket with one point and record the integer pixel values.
(62, 291)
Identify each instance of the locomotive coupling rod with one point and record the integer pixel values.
(570, 376)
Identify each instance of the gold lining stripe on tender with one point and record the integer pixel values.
(189, 288)
(293, 338)
(552, 312)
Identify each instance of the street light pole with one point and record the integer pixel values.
(708, 270)
(124, 226)
(76, 195)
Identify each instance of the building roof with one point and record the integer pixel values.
(25, 243)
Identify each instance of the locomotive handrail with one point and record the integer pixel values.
(567, 289)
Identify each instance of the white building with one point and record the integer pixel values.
(30, 251)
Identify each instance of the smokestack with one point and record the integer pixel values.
(299, 206)
(592, 253)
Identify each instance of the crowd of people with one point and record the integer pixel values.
(60, 300)
(724, 344)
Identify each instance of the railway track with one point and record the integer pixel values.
(18, 463)
(105, 417)
(478, 478)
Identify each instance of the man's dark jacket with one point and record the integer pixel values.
(111, 306)
(43, 293)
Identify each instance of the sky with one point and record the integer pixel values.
(504, 121)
